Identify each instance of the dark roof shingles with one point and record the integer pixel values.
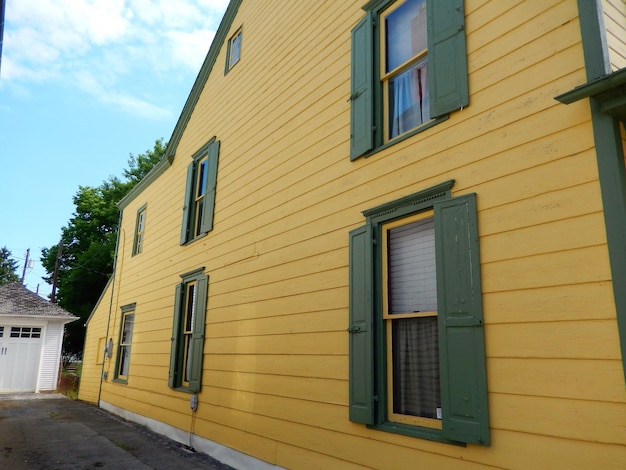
(15, 299)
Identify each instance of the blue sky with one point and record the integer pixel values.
(83, 84)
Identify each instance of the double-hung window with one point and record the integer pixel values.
(417, 361)
(124, 344)
(188, 332)
(200, 193)
(409, 69)
(233, 51)
(140, 229)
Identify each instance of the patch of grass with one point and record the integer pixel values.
(124, 446)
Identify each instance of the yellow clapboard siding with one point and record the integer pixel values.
(551, 303)
(275, 365)
(321, 321)
(282, 265)
(322, 343)
(480, 14)
(556, 340)
(327, 367)
(231, 310)
(288, 456)
(323, 281)
(529, 450)
(543, 270)
(558, 417)
(576, 200)
(362, 451)
(530, 23)
(568, 234)
(314, 389)
(557, 378)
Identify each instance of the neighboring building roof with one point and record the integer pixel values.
(16, 300)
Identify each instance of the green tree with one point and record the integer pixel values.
(88, 244)
(7, 267)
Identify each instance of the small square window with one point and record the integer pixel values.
(140, 229)
(234, 50)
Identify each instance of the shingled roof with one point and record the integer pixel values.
(16, 300)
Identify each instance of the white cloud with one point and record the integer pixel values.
(107, 49)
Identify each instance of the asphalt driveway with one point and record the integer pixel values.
(41, 431)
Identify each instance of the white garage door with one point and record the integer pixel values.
(20, 352)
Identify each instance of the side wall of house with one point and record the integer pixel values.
(615, 22)
(93, 354)
(50, 356)
(275, 378)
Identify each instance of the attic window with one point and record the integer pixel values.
(234, 50)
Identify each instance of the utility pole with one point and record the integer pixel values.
(25, 264)
(56, 272)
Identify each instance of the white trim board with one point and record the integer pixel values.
(220, 452)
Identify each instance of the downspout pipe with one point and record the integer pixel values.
(106, 338)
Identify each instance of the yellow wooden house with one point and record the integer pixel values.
(384, 235)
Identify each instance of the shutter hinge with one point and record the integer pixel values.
(353, 329)
(354, 96)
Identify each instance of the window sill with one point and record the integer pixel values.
(120, 381)
(415, 431)
(417, 130)
(189, 242)
(184, 389)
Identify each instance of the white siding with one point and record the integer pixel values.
(50, 356)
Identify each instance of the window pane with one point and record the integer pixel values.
(412, 268)
(199, 213)
(201, 184)
(416, 389)
(409, 105)
(191, 300)
(127, 333)
(124, 361)
(405, 29)
(235, 50)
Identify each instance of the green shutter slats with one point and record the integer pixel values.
(447, 56)
(360, 328)
(361, 97)
(461, 337)
(209, 201)
(184, 235)
(172, 381)
(197, 337)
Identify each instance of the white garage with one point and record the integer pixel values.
(31, 337)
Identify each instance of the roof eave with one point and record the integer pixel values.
(203, 75)
(609, 89)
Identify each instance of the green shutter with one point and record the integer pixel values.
(447, 56)
(197, 336)
(211, 183)
(174, 375)
(361, 98)
(360, 330)
(184, 235)
(461, 337)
